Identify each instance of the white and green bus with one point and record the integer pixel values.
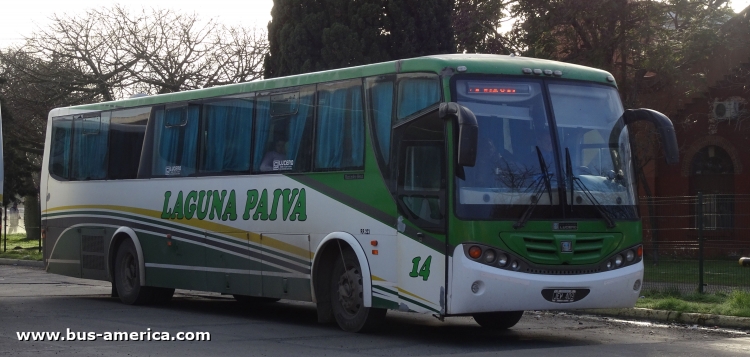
(451, 185)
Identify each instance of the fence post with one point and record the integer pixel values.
(700, 242)
(5, 234)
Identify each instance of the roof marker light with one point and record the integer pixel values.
(527, 71)
(461, 68)
(537, 71)
(557, 73)
(610, 78)
(547, 72)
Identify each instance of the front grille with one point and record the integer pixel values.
(541, 248)
(587, 248)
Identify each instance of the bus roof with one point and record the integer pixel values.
(474, 63)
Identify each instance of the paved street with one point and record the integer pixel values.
(32, 300)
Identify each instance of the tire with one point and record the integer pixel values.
(347, 300)
(253, 300)
(127, 276)
(500, 320)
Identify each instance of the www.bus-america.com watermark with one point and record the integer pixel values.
(147, 335)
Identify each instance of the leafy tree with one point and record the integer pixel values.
(477, 23)
(306, 36)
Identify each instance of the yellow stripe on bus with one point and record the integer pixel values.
(205, 225)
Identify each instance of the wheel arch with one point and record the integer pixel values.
(121, 234)
(329, 246)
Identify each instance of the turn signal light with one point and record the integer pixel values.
(640, 251)
(475, 252)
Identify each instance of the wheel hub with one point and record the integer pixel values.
(350, 290)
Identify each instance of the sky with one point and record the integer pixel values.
(22, 18)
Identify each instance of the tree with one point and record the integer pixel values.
(306, 36)
(109, 54)
(476, 24)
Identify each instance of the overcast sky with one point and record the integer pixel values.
(20, 18)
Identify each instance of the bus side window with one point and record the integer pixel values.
(90, 144)
(417, 92)
(283, 132)
(226, 136)
(62, 136)
(380, 102)
(340, 132)
(127, 130)
(175, 141)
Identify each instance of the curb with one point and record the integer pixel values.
(672, 316)
(26, 263)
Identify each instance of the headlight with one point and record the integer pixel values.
(489, 256)
(618, 260)
(502, 260)
(629, 255)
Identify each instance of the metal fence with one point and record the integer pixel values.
(693, 243)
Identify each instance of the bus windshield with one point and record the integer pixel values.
(517, 164)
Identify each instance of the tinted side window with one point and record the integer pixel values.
(340, 136)
(90, 144)
(175, 141)
(283, 132)
(60, 152)
(127, 129)
(226, 135)
(417, 92)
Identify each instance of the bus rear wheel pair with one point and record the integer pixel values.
(127, 279)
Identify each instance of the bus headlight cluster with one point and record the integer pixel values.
(624, 258)
(492, 256)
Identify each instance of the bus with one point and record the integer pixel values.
(452, 185)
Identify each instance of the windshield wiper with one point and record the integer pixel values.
(542, 183)
(572, 180)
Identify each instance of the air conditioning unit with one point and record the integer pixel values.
(725, 110)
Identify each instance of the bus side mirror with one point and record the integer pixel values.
(663, 125)
(468, 131)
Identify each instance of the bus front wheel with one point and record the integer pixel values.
(347, 300)
(500, 320)
(127, 276)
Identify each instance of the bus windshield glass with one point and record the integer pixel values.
(516, 163)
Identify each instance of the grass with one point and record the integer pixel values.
(716, 272)
(736, 303)
(18, 246)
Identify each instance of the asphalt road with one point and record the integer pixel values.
(32, 300)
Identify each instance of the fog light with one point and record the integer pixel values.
(629, 255)
(475, 252)
(502, 260)
(489, 256)
(618, 260)
(637, 285)
(514, 265)
(475, 287)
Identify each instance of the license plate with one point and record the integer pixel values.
(563, 296)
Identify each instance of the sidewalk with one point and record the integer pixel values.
(688, 318)
(20, 262)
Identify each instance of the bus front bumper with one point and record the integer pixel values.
(475, 287)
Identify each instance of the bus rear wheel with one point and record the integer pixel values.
(347, 299)
(127, 276)
(500, 320)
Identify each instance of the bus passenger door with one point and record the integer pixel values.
(286, 266)
(420, 196)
